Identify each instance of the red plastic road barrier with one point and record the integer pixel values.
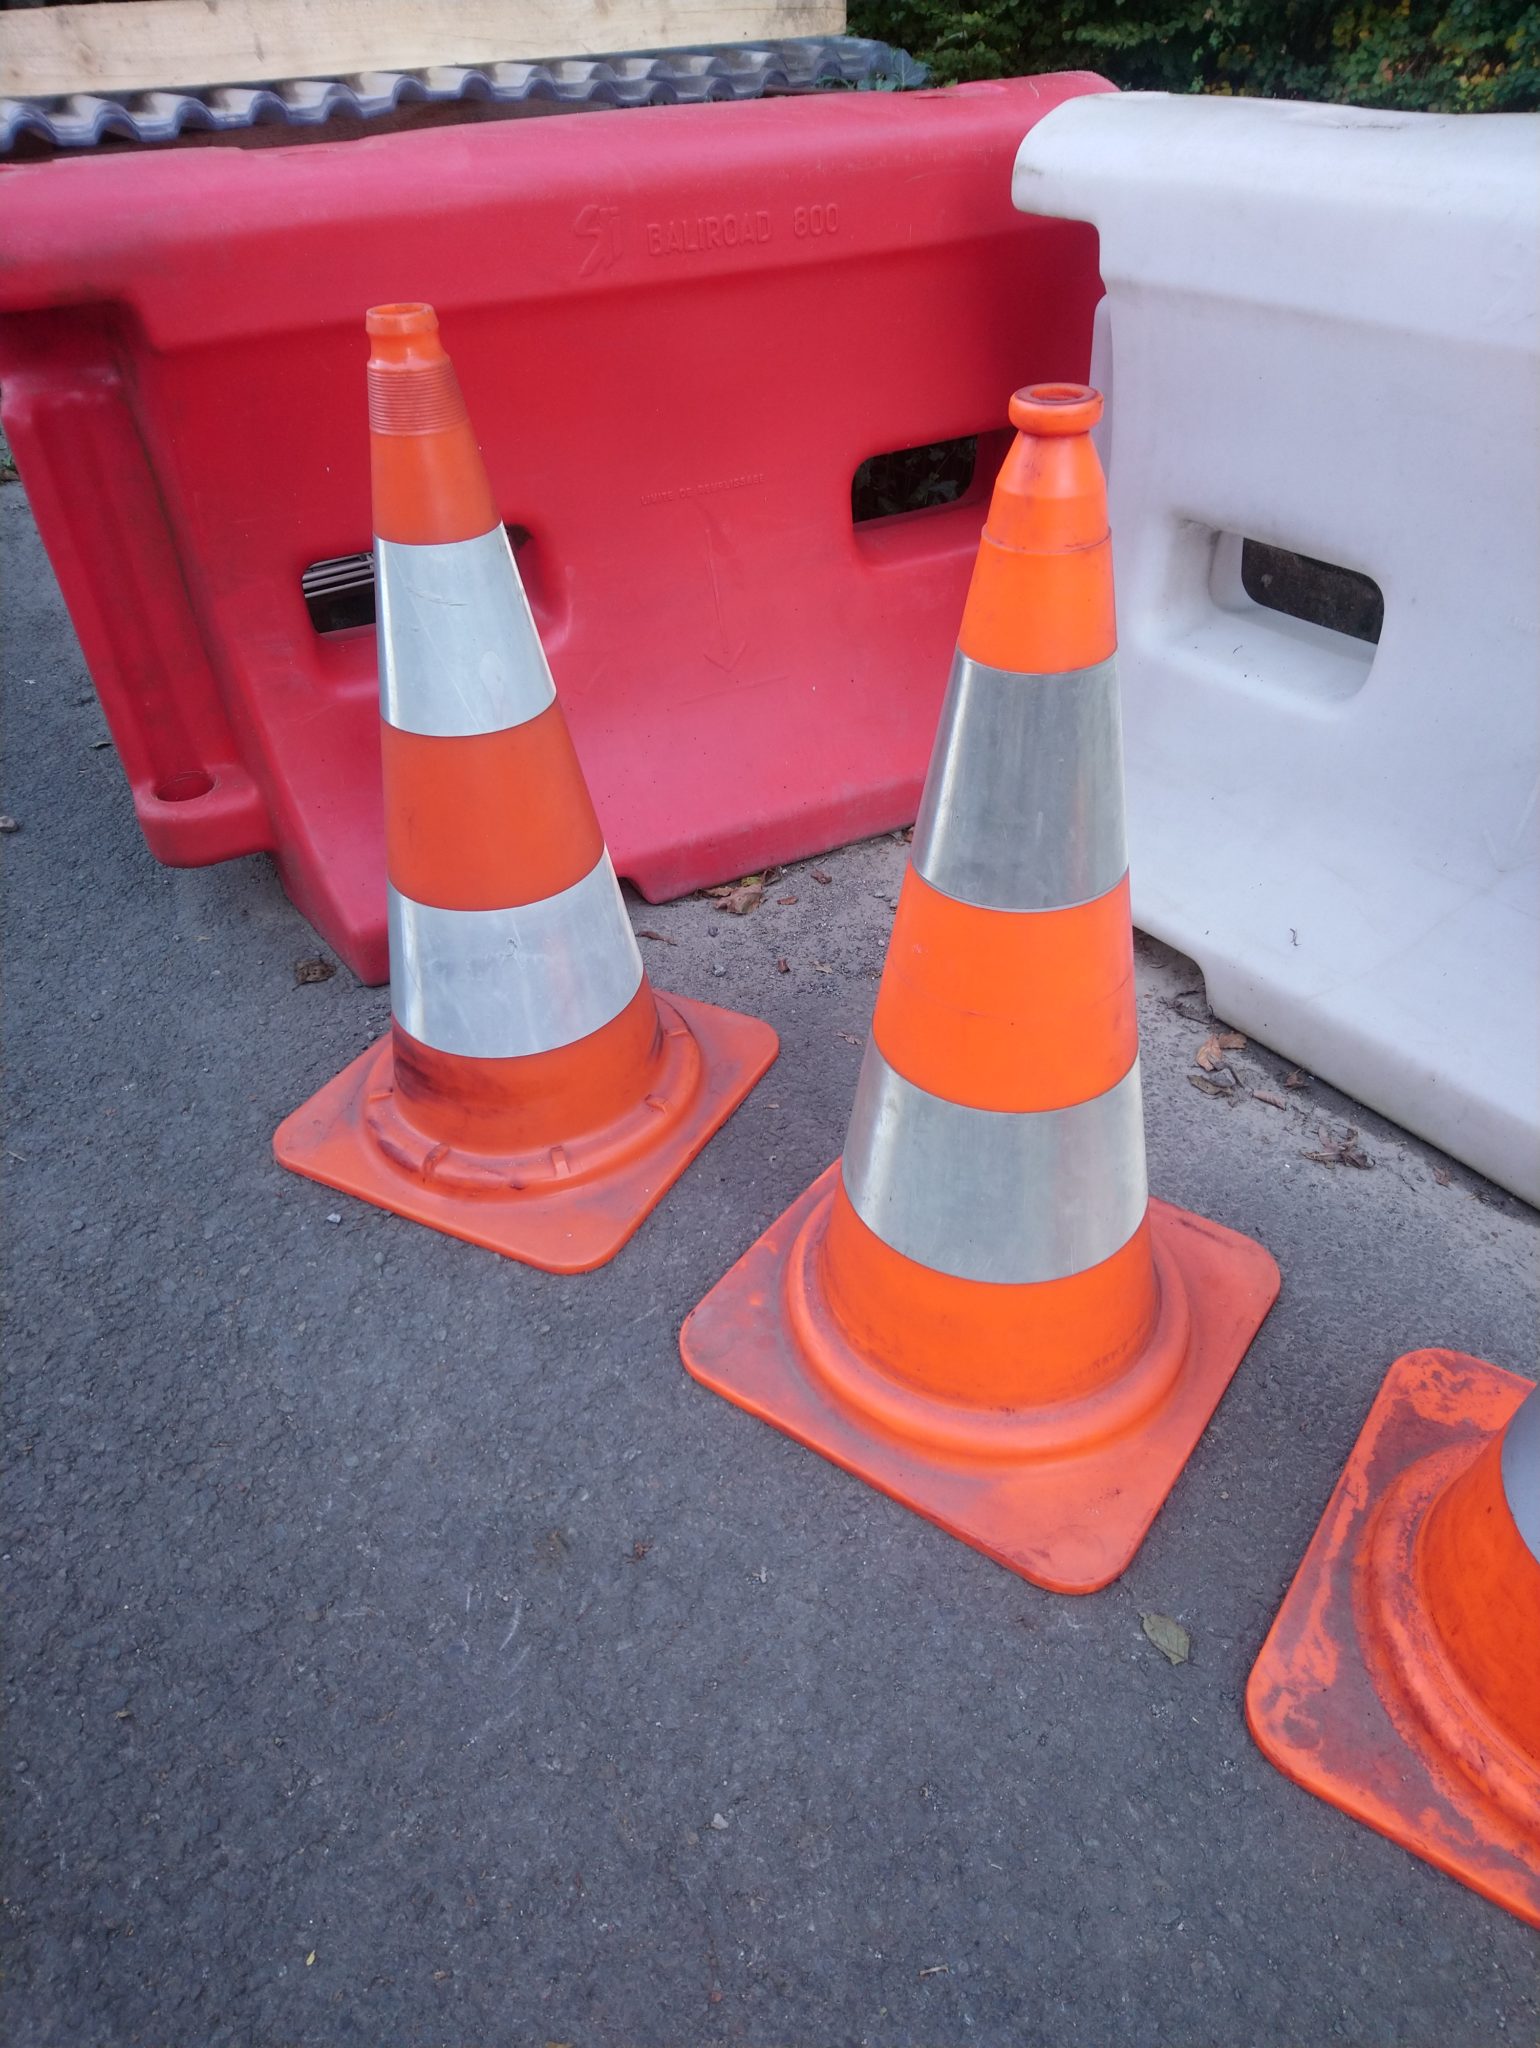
(693, 326)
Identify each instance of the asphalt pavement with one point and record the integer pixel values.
(401, 1650)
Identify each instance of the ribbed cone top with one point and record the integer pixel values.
(1041, 597)
(429, 483)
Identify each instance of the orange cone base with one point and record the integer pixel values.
(1351, 1681)
(565, 1210)
(1063, 1493)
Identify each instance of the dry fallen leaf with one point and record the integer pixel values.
(785, 899)
(1211, 1053)
(1295, 1079)
(1348, 1148)
(822, 967)
(316, 968)
(1340, 1150)
(742, 900)
(1168, 1636)
(310, 1959)
(1273, 1101)
(1442, 1175)
(821, 878)
(1207, 1087)
(658, 938)
(783, 966)
(849, 1038)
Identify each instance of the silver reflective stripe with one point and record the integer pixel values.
(1023, 805)
(990, 1194)
(496, 984)
(459, 654)
(1521, 1471)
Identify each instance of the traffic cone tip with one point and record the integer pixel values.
(1040, 599)
(1055, 408)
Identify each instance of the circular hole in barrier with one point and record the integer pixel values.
(181, 789)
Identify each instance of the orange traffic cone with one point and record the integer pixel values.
(978, 1310)
(533, 1095)
(1401, 1680)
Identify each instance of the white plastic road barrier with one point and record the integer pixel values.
(1322, 333)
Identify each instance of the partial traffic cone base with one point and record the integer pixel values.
(1063, 1493)
(572, 1207)
(1352, 1696)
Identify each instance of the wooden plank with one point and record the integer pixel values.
(126, 45)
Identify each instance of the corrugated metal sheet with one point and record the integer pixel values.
(665, 78)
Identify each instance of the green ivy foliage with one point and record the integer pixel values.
(1451, 56)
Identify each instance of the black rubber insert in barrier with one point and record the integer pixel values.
(1323, 593)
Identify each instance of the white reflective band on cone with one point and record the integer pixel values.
(1023, 805)
(498, 984)
(1521, 1473)
(459, 654)
(987, 1194)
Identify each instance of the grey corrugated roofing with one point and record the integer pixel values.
(661, 78)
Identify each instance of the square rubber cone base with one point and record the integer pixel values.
(1066, 1513)
(1313, 1705)
(561, 1226)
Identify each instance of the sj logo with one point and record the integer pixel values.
(600, 225)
